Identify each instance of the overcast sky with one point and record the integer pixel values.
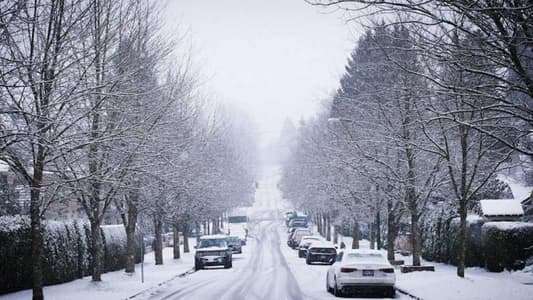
(272, 59)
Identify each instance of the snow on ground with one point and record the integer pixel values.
(118, 284)
(269, 269)
(443, 284)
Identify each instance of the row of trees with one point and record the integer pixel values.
(433, 105)
(96, 109)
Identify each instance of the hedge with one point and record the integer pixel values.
(66, 251)
(505, 245)
(493, 245)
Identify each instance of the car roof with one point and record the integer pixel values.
(314, 237)
(365, 251)
(322, 244)
(213, 236)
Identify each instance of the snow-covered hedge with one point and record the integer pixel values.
(506, 245)
(66, 251)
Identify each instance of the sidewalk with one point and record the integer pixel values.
(118, 284)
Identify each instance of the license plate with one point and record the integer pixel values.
(323, 257)
(368, 272)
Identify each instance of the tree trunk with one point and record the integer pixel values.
(372, 234)
(36, 238)
(158, 243)
(355, 235)
(186, 237)
(391, 232)
(197, 224)
(463, 234)
(335, 234)
(96, 249)
(176, 242)
(378, 230)
(130, 236)
(415, 239)
(328, 228)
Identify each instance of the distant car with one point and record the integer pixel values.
(213, 250)
(235, 243)
(296, 221)
(361, 270)
(321, 251)
(296, 236)
(305, 242)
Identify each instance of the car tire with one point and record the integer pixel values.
(300, 255)
(336, 291)
(308, 261)
(197, 266)
(391, 293)
(328, 288)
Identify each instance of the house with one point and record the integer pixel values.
(527, 204)
(501, 210)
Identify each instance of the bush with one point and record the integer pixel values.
(66, 251)
(505, 245)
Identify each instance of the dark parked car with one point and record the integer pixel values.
(213, 250)
(235, 243)
(324, 252)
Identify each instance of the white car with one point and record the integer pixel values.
(305, 242)
(360, 271)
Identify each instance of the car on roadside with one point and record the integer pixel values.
(294, 238)
(305, 242)
(213, 250)
(235, 243)
(321, 252)
(361, 271)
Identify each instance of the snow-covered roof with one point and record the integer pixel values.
(214, 236)
(501, 207)
(3, 167)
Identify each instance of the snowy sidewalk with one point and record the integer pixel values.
(118, 284)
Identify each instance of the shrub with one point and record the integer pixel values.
(505, 245)
(66, 251)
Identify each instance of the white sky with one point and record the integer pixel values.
(272, 59)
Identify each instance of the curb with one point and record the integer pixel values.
(188, 272)
(408, 294)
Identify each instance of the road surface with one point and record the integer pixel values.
(267, 269)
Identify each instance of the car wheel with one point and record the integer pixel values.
(308, 261)
(300, 254)
(328, 288)
(391, 292)
(336, 291)
(197, 265)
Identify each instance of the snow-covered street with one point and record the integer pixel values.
(268, 269)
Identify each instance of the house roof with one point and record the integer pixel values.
(3, 167)
(501, 207)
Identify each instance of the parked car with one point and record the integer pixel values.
(296, 236)
(304, 244)
(235, 243)
(300, 220)
(321, 251)
(359, 271)
(213, 250)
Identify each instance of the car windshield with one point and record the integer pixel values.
(364, 257)
(212, 243)
(233, 239)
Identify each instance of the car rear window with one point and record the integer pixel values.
(324, 250)
(366, 257)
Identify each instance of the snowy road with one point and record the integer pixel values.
(267, 269)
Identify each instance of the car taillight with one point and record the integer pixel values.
(348, 270)
(388, 270)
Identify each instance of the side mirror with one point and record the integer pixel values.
(195, 246)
